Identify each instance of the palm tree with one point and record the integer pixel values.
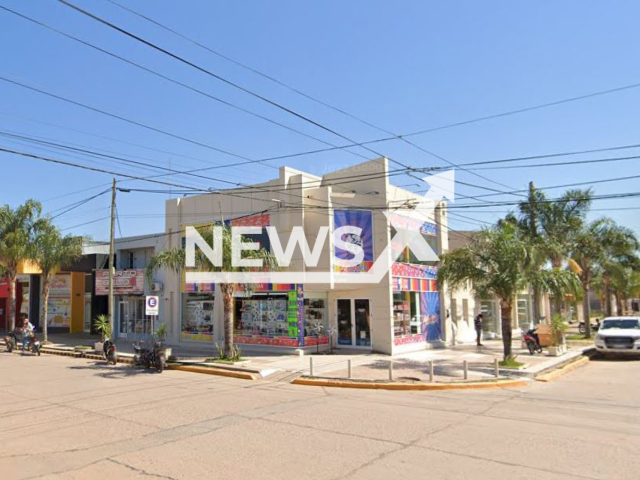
(501, 262)
(552, 227)
(626, 285)
(52, 251)
(598, 245)
(16, 244)
(174, 260)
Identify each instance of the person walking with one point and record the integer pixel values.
(477, 322)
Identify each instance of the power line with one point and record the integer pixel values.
(79, 203)
(222, 79)
(165, 77)
(299, 92)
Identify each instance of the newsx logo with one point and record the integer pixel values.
(346, 238)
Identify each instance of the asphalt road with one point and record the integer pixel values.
(67, 418)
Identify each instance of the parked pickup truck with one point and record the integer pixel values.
(619, 335)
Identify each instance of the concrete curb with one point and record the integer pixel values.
(214, 371)
(559, 372)
(325, 382)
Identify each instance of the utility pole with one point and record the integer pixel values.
(533, 229)
(112, 245)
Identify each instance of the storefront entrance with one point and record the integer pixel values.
(133, 323)
(354, 322)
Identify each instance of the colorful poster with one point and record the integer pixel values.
(300, 297)
(363, 220)
(292, 313)
(59, 312)
(414, 270)
(430, 308)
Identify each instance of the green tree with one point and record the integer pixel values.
(500, 261)
(17, 229)
(552, 226)
(52, 252)
(626, 285)
(598, 245)
(174, 259)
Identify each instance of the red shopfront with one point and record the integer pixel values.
(4, 303)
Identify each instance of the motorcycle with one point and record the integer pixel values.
(109, 352)
(532, 342)
(594, 327)
(11, 341)
(150, 357)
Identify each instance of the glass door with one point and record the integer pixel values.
(362, 322)
(345, 324)
(87, 312)
(354, 322)
(123, 316)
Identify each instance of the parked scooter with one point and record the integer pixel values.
(533, 344)
(150, 357)
(594, 326)
(109, 352)
(12, 340)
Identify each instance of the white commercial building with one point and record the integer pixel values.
(402, 312)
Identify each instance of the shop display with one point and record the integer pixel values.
(198, 318)
(264, 316)
(401, 317)
(315, 313)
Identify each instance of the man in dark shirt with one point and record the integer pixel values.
(478, 325)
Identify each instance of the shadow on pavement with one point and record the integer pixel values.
(114, 372)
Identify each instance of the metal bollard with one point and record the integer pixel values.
(311, 366)
(349, 368)
(496, 368)
(391, 370)
(466, 369)
(431, 370)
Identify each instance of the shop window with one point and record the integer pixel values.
(524, 320)
(132, 318)
(197, 317)
(262, 315)
(315, 313)
(407, 318)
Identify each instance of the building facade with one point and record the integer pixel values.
(401, 313)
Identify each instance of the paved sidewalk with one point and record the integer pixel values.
(448, 362)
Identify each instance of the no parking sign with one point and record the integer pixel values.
(151, 305)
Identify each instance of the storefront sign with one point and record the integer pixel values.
(400, 269)
(125, 282)
(363, 220)
(410, 223)
(403, 284)
(60, 286)
(152, 305)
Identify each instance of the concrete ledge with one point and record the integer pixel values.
(214, 371)
(563, 370)
(326, 382)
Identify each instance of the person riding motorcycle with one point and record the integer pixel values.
(27, 332)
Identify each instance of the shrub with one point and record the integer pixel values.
(103, 325)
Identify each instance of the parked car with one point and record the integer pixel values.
(620, 335)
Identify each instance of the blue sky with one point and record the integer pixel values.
(404, 66)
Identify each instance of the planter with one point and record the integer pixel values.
(557, 350)
(98, 346)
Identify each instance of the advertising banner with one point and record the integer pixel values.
(59, 312)
(60, 286)
(125, 282)
(363, 220)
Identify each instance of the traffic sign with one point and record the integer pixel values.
(152, 305)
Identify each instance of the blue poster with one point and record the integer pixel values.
(363, 220)
(430, 308)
